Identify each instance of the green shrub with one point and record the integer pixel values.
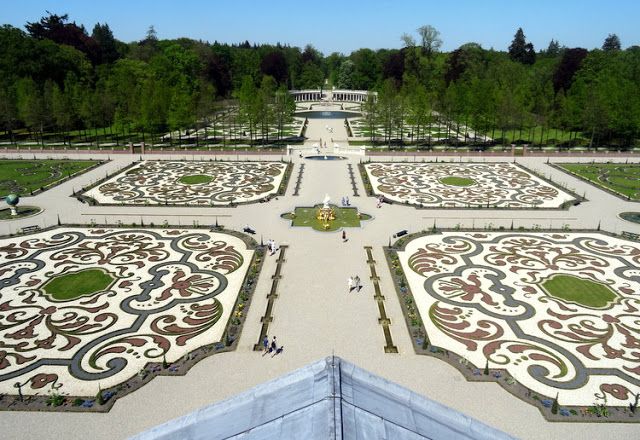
(554, 406)
(55, 399)
(99, 397)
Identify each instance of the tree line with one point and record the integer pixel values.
(559, 96)
(55, 76)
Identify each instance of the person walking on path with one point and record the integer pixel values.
(274, 346)
(344, 235)
(265, 343)
(356, 283)
(350, 283)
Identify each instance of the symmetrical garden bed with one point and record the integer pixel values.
(192, 183)
(463, 185)
(623, 180)
(552, 317)
(26, 177)
(88, 312)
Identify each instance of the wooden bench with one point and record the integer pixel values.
(630, 236)
(30, 229)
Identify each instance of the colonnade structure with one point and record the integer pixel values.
(336, 95)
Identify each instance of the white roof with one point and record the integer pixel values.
(328, 399)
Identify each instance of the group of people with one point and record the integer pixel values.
(345, 201)
(272, 348)
(272, 246)
(354, 284)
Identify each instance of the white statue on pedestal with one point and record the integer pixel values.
(326, 201)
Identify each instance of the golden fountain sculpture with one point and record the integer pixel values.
(326, 214)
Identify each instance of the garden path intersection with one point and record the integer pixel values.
(313, 316)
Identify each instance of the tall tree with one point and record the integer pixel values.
(388, 108)
(181, 113)
(248, 104)
(418, 108)
(274, 64)
(30, 104)
(370, 109)
(553, 49)
(265, 106)
(567, 68)
(611, 43)
(366, 69)
(107, 46)
(8, 109)
(393, 66)
(429, 40)
(520, 50)
(345, 75)
(283, 109)
(56, 28)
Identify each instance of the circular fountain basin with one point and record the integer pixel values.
(325, 157)
(633, 217)
(319, 114)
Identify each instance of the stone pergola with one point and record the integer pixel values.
(337, 95)
(352, 95)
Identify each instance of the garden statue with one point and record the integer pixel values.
(12, 200)
(325, 202)
(326, 213)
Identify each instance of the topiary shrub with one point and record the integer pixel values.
(99, 397)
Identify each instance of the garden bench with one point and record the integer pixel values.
(30, 229)
(630, 235)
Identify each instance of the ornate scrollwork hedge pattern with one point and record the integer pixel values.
(159, 183)
(481, 296)
(173, 291)
(500, 185)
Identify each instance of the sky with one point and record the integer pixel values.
(344, 26)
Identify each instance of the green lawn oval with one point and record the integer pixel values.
(195, 179)
(576, 290)
(75, 285)
(457, 181)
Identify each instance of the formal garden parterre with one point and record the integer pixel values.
(463, 185)
(555, 313)
(89, 309)
(26, 177)
(621, 179)
(192, 183)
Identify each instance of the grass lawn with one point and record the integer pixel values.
(457, 181)
(196, 179)
(74, 285)
(621, 178)
(580, 291)
(23, 176)
(534, 135)
(345, 218)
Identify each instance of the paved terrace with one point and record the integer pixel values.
(314, 316)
